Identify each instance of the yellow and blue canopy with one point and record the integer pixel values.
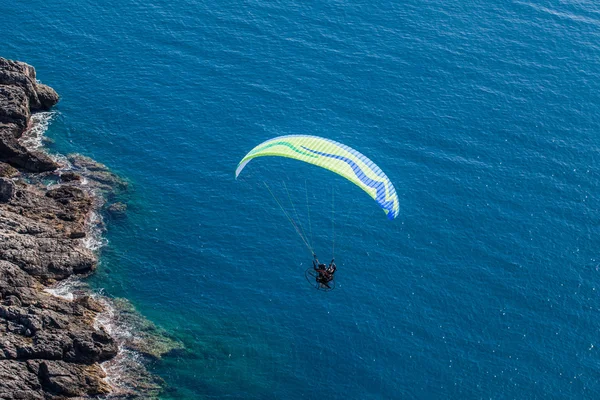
(336, 157)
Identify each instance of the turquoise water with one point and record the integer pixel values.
(485, 116)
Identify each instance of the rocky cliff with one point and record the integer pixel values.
(51, 347)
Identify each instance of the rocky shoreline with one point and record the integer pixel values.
(55, 346)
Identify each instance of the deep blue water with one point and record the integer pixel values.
(485, 116)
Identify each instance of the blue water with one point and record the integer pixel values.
(486, 117)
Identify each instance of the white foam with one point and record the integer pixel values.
(66, 288)
(65, 164)
(93, 239)
(33, 137)
(60, 293)
(120, 369)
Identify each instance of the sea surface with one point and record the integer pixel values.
(484, 114)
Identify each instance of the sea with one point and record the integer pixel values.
(486, 117)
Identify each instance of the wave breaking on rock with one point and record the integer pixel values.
(60, 339)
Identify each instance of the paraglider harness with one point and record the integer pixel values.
(320, 275)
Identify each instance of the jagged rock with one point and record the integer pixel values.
(15, 154)
(17, 66)
(17, 381)
(17, 79)
(47, 96)
(70, 177)
(15, 282)
(9, 130)
(11, 222)
(117, 210)
(13, 301)
(62, 209)
(7, 171)
(66, 194)
(90, 303)
(14, 106)
(97, 172)
(62, 379)
(19, 95)
(38, 229)
(82, 162)
(47, 258)
(43, 326)
(22, 75)
(7, 189)
(50, 346)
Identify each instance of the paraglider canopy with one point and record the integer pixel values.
(336, 157)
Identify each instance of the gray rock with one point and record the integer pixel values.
(68, 380)
(17, 66)
(117, 210)
(20, 94)
(15, 154)
(97, 172)
(17, 79)
(47, 258)
(7, 190)
(17, 381)
(70, 177)
(14, 106)
(60, 210)
(50, 347)
(7, 171)
(47, 96)
(22, 75)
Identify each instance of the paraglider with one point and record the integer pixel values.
(340, 159)
(324, 274)
(336, 157)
